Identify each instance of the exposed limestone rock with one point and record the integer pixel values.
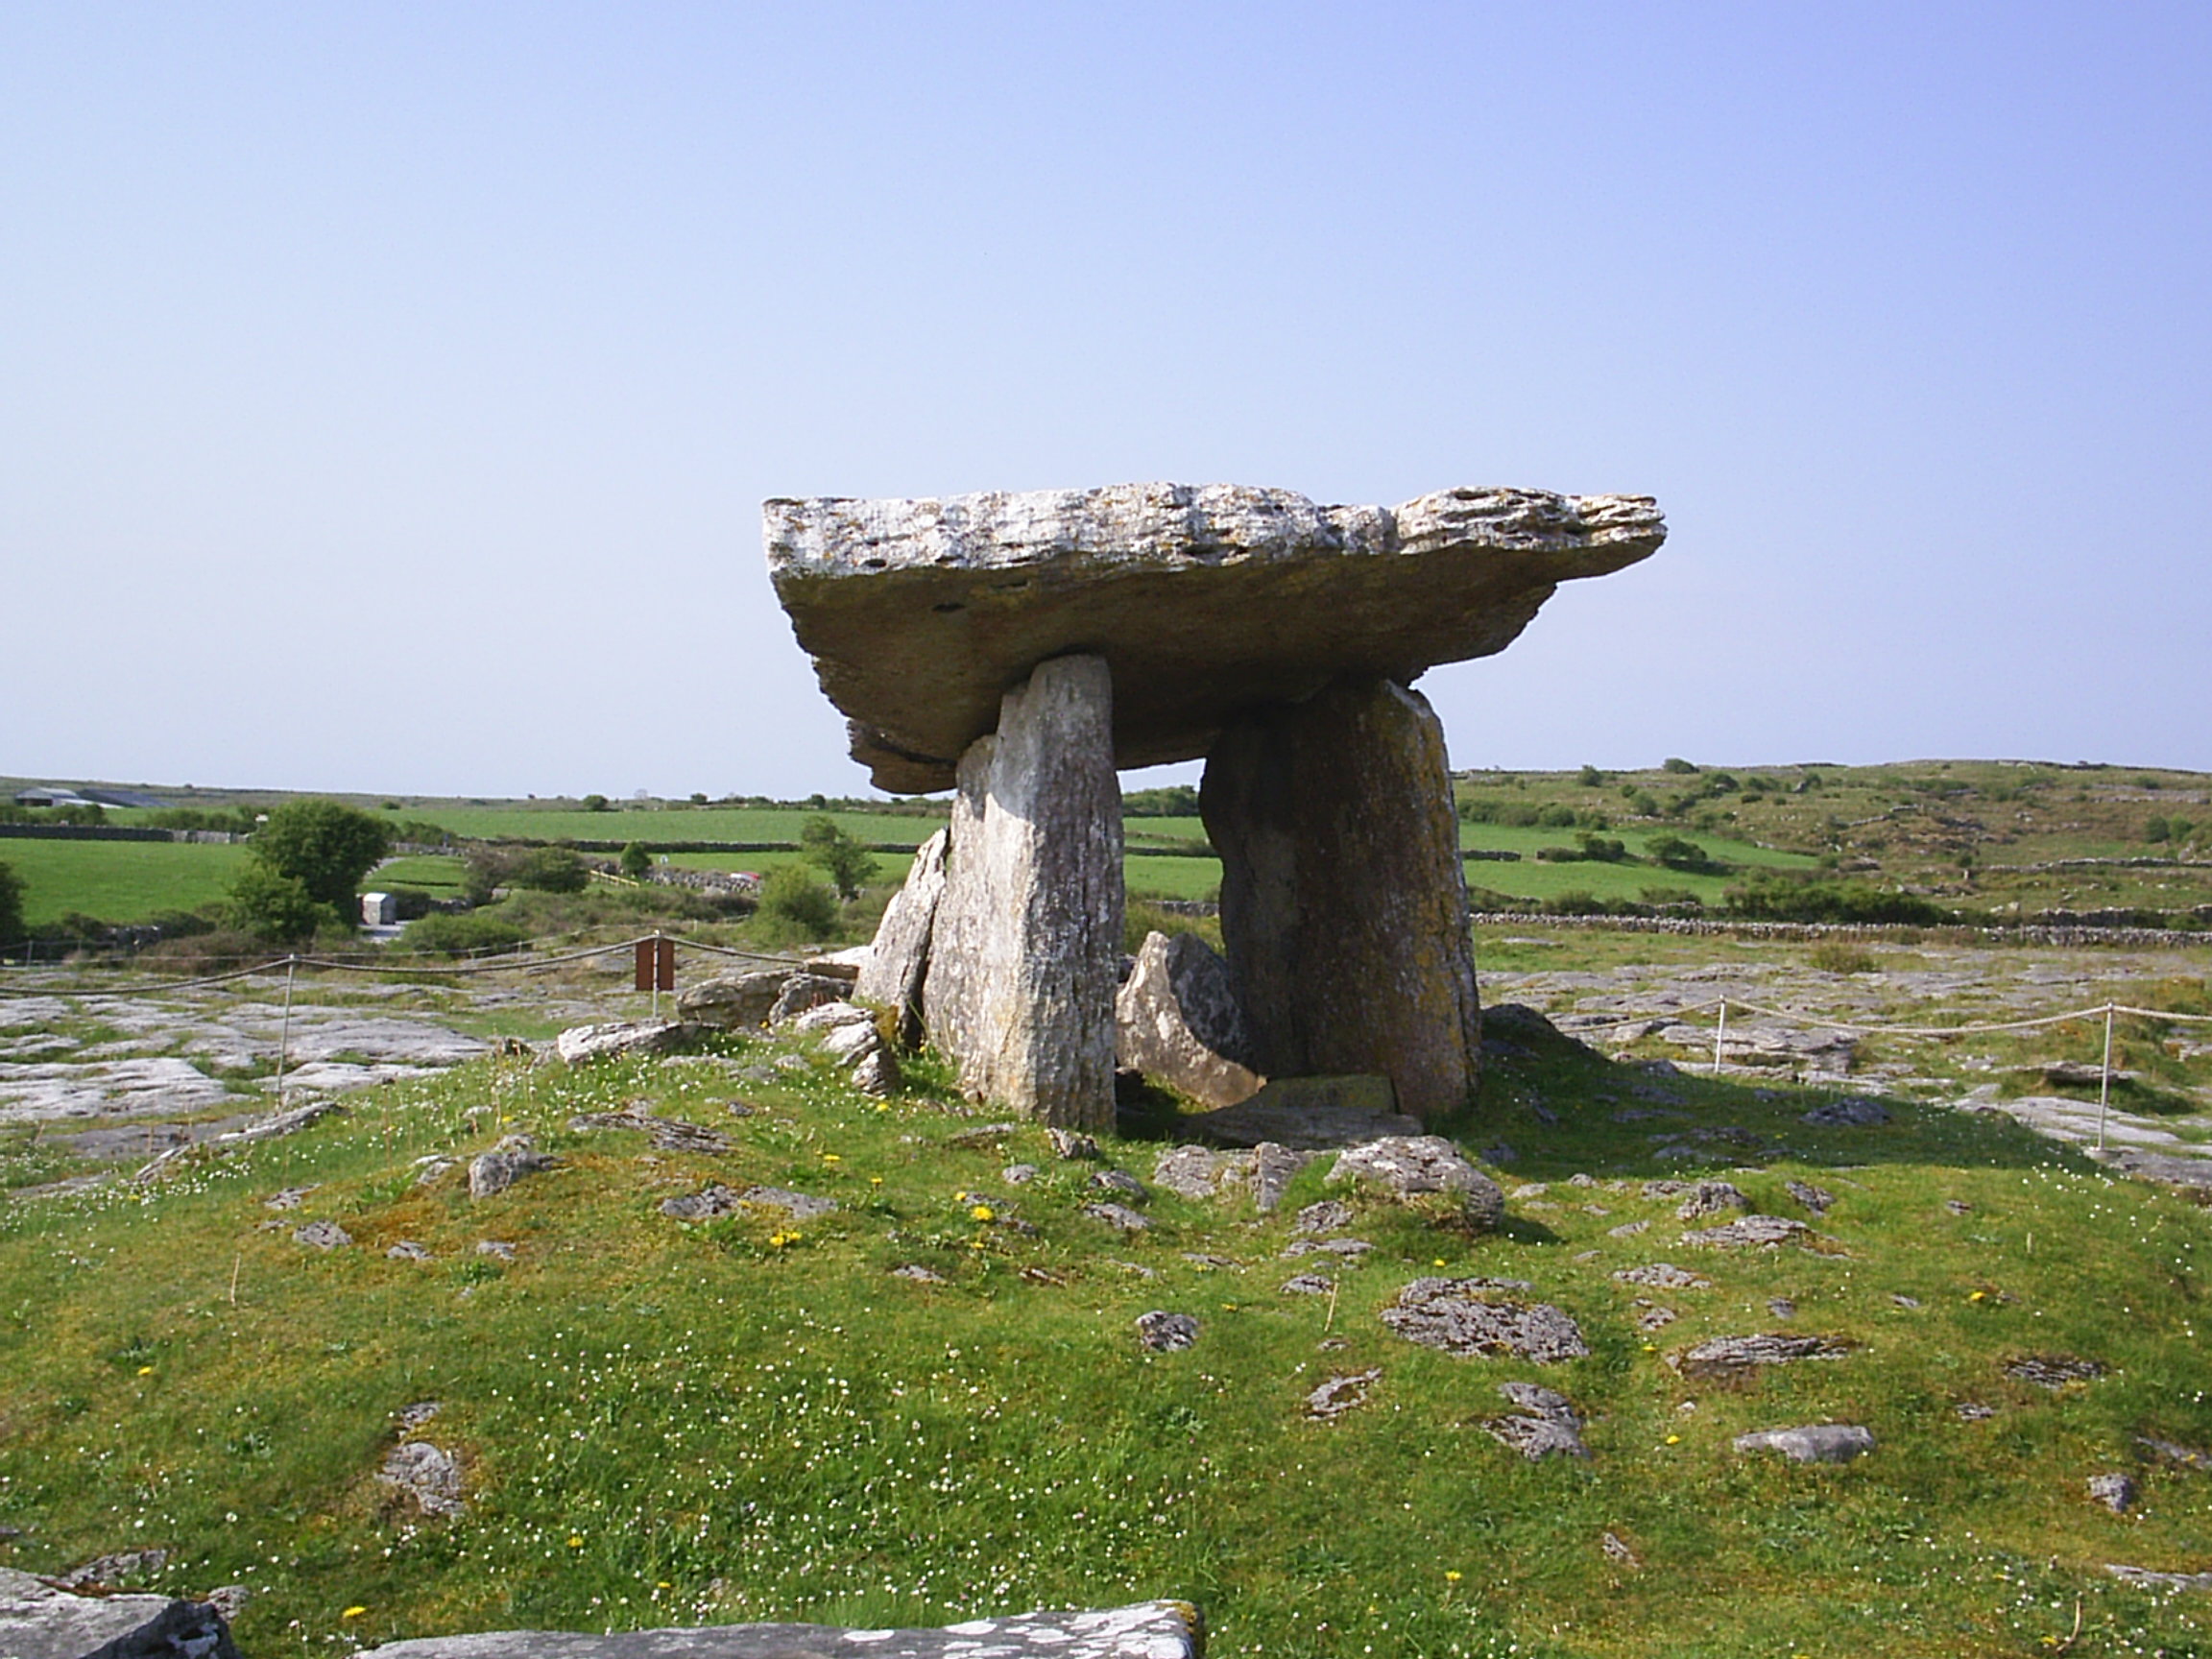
(429, 1475)
(1025, 950)
(733, 1001)
(323, 1235)
(39, 1622)
(1151, 1630)
(1176, 1021)
(1205, 600)
(1711, 1198)
(1307, 1115)
(1854, 1111)
(1166, 1332)
(2116, 1491)
(1663, 1276)
(1408, 1166)
(1726, 1358)
(1116, 1215)
(2148, 1579)
(1753, 1231)
(1343, 906)
(900, 956)
(1816, 1443)
(2053, 1371)
(1546, 1426)
(618, 1036)
(667, 1134)
(1340, 1394)
(514, 1157)
(1470, 1316)
(719, 1200)
(804, 991)
(1197, 1171)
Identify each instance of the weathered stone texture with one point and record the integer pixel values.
(39, 1622)
(898, 960)
(1343, 905)
(1177, 1020)
(1206, 601)
(1025, 954)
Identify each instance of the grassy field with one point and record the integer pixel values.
(668, 823)
(118, 881)
(663, 1423)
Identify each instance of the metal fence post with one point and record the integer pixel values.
(2104, 1083)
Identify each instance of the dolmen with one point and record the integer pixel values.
(1022, 648)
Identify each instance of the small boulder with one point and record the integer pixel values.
(514, 1157)
(428, 1475)
(1120, 1182)
(1199, 1172)
(1309, 1284)
(1711, 1198)
(1177, 1020)
(1546, 1424)
(1166, 1332)
(1471, 1316)
(803, 990)
(1817, 1443)
(1817, 1199)
(40, 1620)
(1731, 1357)
(1116, 1215)
(878, 1073)
(323, 1235)
(1407, 1165)
(2053, 1371)
(2116, 1492)
(734, 1001)
(615, 1037)
(1339, 1395)
(1753, 1231)
(1326, 1215)
(407, 1250)
(1664, 1276)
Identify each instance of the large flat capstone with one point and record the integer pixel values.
(1205, 601)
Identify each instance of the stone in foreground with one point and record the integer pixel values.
(1409, 1165)
(1814, 1443)
(1149, 1630)
(1343, 905)
(1206, 601)
(39, 1621)
(1025, 953)
(1467, 1317)
(1177, 1019)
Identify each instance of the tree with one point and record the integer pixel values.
(550, 870)
(596, 804)
(635, 861)
(837, 854)
(324, 846)
(11, 906)
(795, 907)
(275, 907)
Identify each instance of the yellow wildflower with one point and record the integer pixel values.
(353, 1612)
(982, 1213)
(145, 1370)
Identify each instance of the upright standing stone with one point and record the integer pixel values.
(1343, 904)
(1026, 951)
(900, 954)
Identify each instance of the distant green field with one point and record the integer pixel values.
(118, 881)
(663, 823)
(426, 870)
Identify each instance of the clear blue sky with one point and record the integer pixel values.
(387, 392)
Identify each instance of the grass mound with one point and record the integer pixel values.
(932, 1403)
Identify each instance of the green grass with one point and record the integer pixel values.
(666, 824)
(429, 871)
(664, 1424)
(118, 881)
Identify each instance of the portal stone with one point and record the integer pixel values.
(900, 954)
(1343, 904)
(1025, 950)
(1176, 1021)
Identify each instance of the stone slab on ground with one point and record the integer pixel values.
(1205, 600)
(1177, 1020)
(1814, 1443)
(39, 1622)
(1307, 1115)
(1147, 1630)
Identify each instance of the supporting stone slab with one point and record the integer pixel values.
(899, 957)
(1025, 949)
(1343, 903)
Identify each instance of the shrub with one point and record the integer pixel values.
(1175, 801)
(1680, 853)
(1778, 899)
(1578, 904)
(1557, 817)
(636, 863)
(1590, 778)
(462, 935)
(1838, 957)
(550, 870)
(1643, 804)
(1675, 763)
(271, 905)
(10, 906)
(1665, 897)
(2157, 828)
(597, 804)
(409, 903)
(796, 906)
